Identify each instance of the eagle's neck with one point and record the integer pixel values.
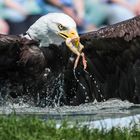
(44, 38)
(52, 38)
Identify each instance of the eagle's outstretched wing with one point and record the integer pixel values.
(19, 54)
(9, 51)
(117, 37)
(114, 52)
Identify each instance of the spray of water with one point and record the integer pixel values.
(96, 84)
(78, 81)
(93, 79)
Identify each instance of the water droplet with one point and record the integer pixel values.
(87, 97)
(86, 101)
(97, 86)
(45, 74)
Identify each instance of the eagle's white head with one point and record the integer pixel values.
(53, 28)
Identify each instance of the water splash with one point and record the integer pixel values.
(51, 92)
(94, 81)
(78, 81)
(96, 84)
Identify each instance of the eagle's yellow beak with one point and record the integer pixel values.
(72, 34)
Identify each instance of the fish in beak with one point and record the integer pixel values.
(73, 43)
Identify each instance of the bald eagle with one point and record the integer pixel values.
(54, 65)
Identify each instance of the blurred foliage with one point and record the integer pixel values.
(32, 128)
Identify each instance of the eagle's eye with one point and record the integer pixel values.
(61, 27)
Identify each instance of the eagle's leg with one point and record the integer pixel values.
(81, 47)
(76, 50)
(84, 60)
(76, 61)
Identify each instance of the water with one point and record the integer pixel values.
(113, 112)
(110, 113)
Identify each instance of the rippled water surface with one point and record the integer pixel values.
(113, 112)
(92, 111)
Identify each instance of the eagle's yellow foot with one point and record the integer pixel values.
(76, 47)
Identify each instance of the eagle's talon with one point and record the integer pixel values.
(76, 49)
